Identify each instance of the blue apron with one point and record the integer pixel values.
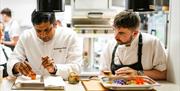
(6, 36)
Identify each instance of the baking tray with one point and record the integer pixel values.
(25, 83)
(34, 86)
(108, 83)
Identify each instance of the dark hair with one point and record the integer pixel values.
(38, 17)
(127, 19)
(6, 11)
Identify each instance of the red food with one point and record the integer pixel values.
(32, 75)
(139, 81)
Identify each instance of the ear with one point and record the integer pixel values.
(135, 33)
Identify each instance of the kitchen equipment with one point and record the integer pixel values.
(51, 5)
(140, 5)
(49, 82)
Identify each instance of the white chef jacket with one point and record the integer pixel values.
(13, 28)
(63, 48)
(153, 54)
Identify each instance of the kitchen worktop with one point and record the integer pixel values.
(165, 86)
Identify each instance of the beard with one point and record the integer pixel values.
(45, 39)
(128, 42)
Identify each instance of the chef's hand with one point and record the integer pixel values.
(48, 64)
(126, 72)
(23, 68)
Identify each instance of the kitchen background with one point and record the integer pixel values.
(92, 20)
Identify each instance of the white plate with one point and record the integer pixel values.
(146, 86)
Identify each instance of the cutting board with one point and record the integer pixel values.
(93, 85)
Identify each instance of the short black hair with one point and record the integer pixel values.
(127, 19)
(6, 11)
(38, 17)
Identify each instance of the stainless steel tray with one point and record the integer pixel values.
(148, 85)
(34, 86)
(25, 83)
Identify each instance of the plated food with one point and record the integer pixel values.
(135, 83)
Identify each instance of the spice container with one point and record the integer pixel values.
(73, 78)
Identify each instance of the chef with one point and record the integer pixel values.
(44, 50)
(132, 52)
(5, 52)
(12, 29)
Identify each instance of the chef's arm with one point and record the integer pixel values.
(18, 55)
(14, 70)
(156, 75)
(12, 42)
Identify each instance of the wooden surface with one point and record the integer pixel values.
(93, 85)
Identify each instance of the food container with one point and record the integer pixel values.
(73, 78)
